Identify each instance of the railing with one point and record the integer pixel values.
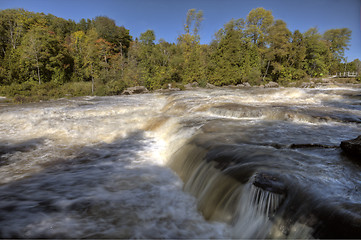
(347, 74)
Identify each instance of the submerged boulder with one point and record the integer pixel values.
(211, 86)
(191, 85)
(352, 147)
(307, 85)
(246, 84)
(243, 85)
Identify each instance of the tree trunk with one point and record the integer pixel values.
(37, 66)
(12, 35)
(264, 76)
(92, 85)
(91, 67)
(122, 61)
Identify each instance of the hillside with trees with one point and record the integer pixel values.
(44, 56)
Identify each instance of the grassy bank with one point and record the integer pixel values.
(34, 92)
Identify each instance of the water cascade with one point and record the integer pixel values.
(221, 163)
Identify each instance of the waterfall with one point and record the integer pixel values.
(254, 211)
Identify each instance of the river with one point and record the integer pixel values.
(208, 163)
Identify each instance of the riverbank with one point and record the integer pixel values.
(33, 92)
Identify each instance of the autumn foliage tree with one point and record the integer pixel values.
(101, 57)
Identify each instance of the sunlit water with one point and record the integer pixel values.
(186, 164)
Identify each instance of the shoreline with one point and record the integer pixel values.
(311, 84)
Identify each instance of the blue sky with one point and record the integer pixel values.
(166, 17)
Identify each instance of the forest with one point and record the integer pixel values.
(44, 56)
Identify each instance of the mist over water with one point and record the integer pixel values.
(224, 163)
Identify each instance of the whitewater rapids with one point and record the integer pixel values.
(188, 164)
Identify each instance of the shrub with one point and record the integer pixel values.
(202, 82)
(76, 89)
(115, 87)
(254, 77)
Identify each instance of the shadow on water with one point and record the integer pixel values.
(350, 101)
(20, 147)
(26, 146)
(101, 193)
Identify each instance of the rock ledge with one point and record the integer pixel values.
(352, 147)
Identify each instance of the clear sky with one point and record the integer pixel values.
(166, 17)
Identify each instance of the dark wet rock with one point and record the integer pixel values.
(311, 145)
(274, 145)
(270, 182)
(341, 221)
(352, 147)
(271, 85)
(135, 90)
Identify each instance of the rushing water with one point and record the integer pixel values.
(224, 163)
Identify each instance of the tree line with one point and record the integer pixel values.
(45, 50)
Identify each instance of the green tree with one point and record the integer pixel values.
(194, 19)
(258, 22)
(357, 66)
(338, 41)
(147, 38)
(193, 69)
(279, 39)
(43, 57)
(77, 48)
(318, 54)
(84, 25)
(12, 27)
(61, 27)
(107, 29)
(132, 71)
(297, 51)
(91, 57)
(147, 60)
(227, 63)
